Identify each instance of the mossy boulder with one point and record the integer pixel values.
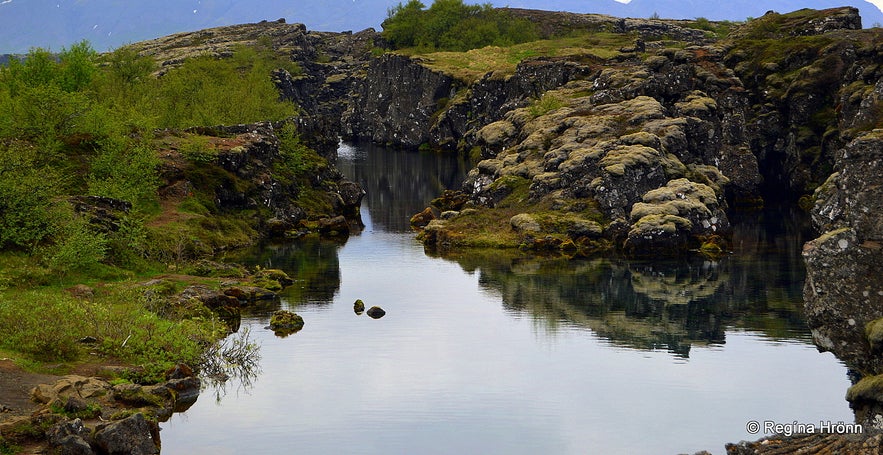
(866, 400)
(450, 200)
(674, 218)
(874, 333)
(285, 323)
(659, 235)
(359, 306)
(423, 218)
(525, 223)
(276, 275)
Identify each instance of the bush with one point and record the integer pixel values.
(452, 25)
(78, 247)
(44, 326)
(125, 171)
(209, 91)
(28, 188)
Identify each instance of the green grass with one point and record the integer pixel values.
(470, 65)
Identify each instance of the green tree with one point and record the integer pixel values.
(454, 26)
(77, 66)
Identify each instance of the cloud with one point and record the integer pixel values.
(5, 2)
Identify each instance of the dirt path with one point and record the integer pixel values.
(15, 389)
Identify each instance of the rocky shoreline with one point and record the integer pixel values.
(114, 411)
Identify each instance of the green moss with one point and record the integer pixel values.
(713, 247)
(92, 411)
(284, 323)
(869, 388)
(517, 187)
(697, 104)
(619, 159)
(874, 333)
(670, 224)
(545, 104)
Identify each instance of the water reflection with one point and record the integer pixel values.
(486, 352)
(669, 305)
(312, 263)
(399, 183)
(235, 360)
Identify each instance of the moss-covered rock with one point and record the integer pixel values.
(284, 323)
(525, 223)
(874, 333)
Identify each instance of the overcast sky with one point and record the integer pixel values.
(107, 24)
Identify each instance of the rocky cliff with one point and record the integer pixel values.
(664, 137)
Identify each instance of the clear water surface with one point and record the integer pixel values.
(490, 352)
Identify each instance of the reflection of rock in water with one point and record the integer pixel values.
(311, 262)
(676, 285)
(669, 305)
(398, 182)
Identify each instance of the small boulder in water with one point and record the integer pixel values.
(376, 312)
(285, 322)
(359, 306)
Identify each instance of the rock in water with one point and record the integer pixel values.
(376, 312)
(284, 323)
(359, 306)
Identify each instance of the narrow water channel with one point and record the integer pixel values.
(491, 352)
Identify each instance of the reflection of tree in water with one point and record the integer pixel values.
(234, 359)
(311, 262)
(669, 305)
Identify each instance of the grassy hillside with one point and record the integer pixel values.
(87, 144)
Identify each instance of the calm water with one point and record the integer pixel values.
(498, 353)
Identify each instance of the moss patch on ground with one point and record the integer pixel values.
(471, 65)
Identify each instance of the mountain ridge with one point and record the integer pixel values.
(53, 24)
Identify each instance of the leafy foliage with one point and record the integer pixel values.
(454, 26)
(123, 171)
(28, 183)
(80, 123)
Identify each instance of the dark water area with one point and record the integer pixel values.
(498, 352)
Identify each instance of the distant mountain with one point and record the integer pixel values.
(735, 10)
(108, 24)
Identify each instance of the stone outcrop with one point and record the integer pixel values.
(644, 128)
(243, 168)
(843, 293)
(396, 100)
